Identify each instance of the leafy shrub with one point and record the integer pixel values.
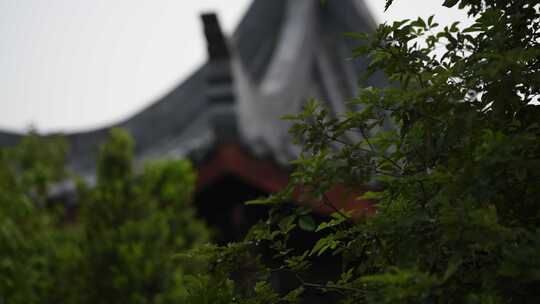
(121, 246)
(29, 246)
(133, 224)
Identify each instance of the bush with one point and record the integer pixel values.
(121, 246)
(134, 225)
(28, 247)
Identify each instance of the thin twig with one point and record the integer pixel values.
(378, 154)
(328, 203)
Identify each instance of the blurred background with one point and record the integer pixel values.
(75, 65)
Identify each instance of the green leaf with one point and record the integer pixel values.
(388, 4)
(332, 223)
(371, 195)
(260, 201)
(306, 223)
(294, 296)
(328, 242)
(450, 3)
(357, 35)
(453, 266)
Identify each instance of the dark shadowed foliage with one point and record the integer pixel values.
(458, 176)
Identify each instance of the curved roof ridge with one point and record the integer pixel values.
(282, 52)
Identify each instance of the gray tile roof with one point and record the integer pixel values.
(282, 53)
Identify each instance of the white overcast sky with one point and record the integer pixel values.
(71, 65)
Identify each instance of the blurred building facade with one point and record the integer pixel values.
(226, 116)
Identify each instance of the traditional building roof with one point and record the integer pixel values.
(282, 53)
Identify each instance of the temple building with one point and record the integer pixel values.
(226, 116)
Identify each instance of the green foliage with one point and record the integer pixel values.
(133, 226)
(27, 254)
(115, 159)
(453, 147)
(121, 246)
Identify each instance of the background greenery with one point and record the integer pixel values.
(121, 244)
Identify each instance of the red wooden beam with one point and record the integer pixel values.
(231, 159)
